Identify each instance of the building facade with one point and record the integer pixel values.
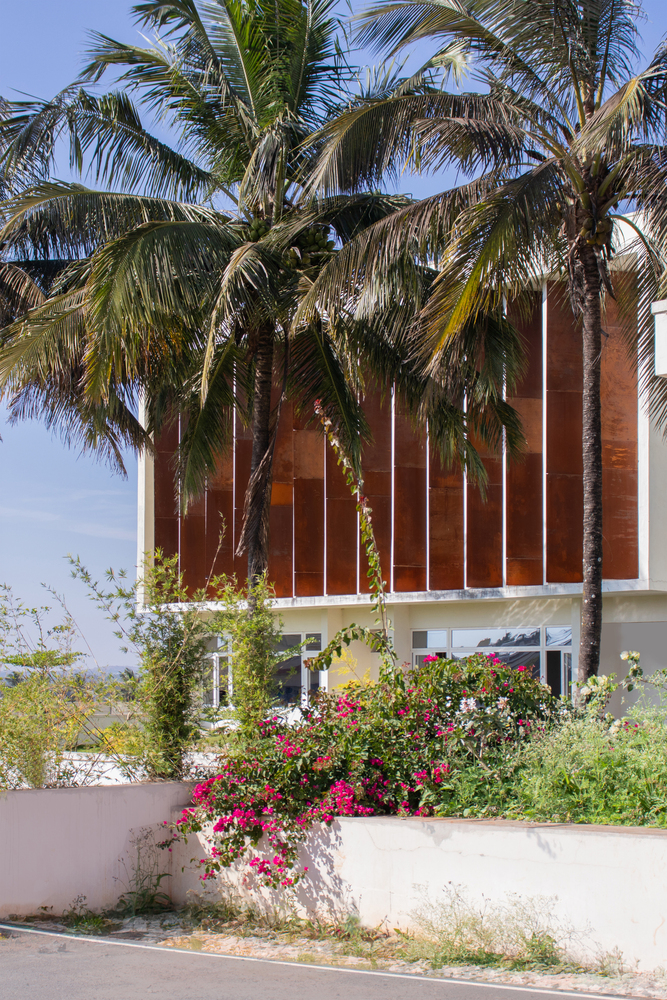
(463, 573)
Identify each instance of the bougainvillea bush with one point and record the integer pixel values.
(432, 741)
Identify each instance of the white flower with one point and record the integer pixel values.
(503, 703)
(467, 705)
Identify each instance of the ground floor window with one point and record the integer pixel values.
(546, 650)
(295, 683)
(218, 684)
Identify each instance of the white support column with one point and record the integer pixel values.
(659, 310)
(545, 312)
(145, 505)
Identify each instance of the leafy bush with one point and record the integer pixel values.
(45, 701)
(254, 631)
(165, 625)
(406, 746)
(41, 719)
(590, 770)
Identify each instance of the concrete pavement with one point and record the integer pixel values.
(40, 965)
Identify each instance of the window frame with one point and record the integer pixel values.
(450, 651)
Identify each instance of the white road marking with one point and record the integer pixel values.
(303, 965)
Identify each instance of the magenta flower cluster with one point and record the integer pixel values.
(390, 749)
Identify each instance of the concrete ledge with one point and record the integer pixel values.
(57, 843)
(604, 887)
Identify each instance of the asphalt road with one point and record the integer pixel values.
(44, 966)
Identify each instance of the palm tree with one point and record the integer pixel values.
(185, 284)
(560, 133)
(28, 273)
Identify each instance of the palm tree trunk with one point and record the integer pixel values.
(591, 612)
(257, 519)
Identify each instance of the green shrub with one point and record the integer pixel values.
(166, 626)
(590, 770)
(418, 744)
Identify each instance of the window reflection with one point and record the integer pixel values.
(287, 674)
(511, 658)
(495, 638)
(429, 639)
(559, 636)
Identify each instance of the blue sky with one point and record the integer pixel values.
(53, 502)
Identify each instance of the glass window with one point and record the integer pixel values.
(224, 681)
(209, 683)
(495, 638)
(288, 673)
(311, 678)
(433, 637)
(559, 636)
(511, 658)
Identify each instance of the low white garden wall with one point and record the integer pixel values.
(58, 843)
(598, 889)
(602, 888)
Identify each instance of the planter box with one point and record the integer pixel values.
(601, 888)
(605, 885)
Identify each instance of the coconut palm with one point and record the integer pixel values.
(183, 289)
(27, 275)
(184, 284)
(560, 136)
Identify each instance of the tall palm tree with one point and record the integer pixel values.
(560, 132)
(27, 275)
(184, 285)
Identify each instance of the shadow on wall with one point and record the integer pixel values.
(323, 894)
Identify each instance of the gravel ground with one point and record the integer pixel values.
(173, 931)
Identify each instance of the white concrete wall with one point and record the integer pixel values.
(56, 843)
(602, 888)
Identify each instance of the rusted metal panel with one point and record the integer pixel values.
(564, 359)
(308, 584)
(166, 491)
(219, 551)
(341, 528)
(564, 441)
(309, 522)
(409, 506)
(341, 546)
(281, 518)
(445, 526)
(620, 548)
(565, 512)
(377, 480)
(618, 390)
(280, 550)
(564, 431)
(529, 323)
(220, 518)
(524, 522)
(485, 531)
(193, 547)
(524, 572)
(523, 528)
(308, 449)
(242, 460)
(166, 535)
